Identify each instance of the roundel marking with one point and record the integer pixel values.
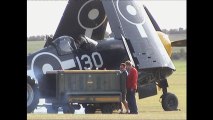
(94, 19)
(93, 14)
(129, 12)
(43, 62)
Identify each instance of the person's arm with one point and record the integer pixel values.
(134, 79)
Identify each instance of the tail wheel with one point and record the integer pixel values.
(32, 97)
(169, 102)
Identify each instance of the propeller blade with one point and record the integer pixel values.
(179, 43)
(154, 23)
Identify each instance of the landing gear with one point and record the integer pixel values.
(169, 101)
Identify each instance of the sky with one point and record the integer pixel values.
(43, 17)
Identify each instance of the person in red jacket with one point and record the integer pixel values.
(131, 86)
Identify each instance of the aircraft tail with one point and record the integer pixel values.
(83, 17)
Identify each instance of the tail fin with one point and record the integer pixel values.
(83, 17)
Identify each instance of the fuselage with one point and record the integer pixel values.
(65, 54)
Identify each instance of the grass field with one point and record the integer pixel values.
(148, 108)
(33, 46)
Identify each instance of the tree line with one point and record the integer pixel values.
(38, 38)
(171, 31)
(175, 31)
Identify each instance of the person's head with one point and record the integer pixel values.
(122, 66)
(128, 65)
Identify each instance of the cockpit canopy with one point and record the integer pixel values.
(65, 45)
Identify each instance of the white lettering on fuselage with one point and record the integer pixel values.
(88, 62)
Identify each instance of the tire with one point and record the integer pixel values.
(89, 109)
(68, 109)
(107, 109)
(32, 96)
(169, 102)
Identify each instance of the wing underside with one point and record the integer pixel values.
(127, 18)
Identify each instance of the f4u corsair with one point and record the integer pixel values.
(79, 44)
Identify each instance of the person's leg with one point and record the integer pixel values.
(123, 98)
(125, 102)
(133, 103)
(121, 112)
(128, 97)
(126, 106)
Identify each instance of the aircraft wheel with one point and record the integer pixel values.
(107, 109)
(169, 102)
(32, 96)
(89, 109)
